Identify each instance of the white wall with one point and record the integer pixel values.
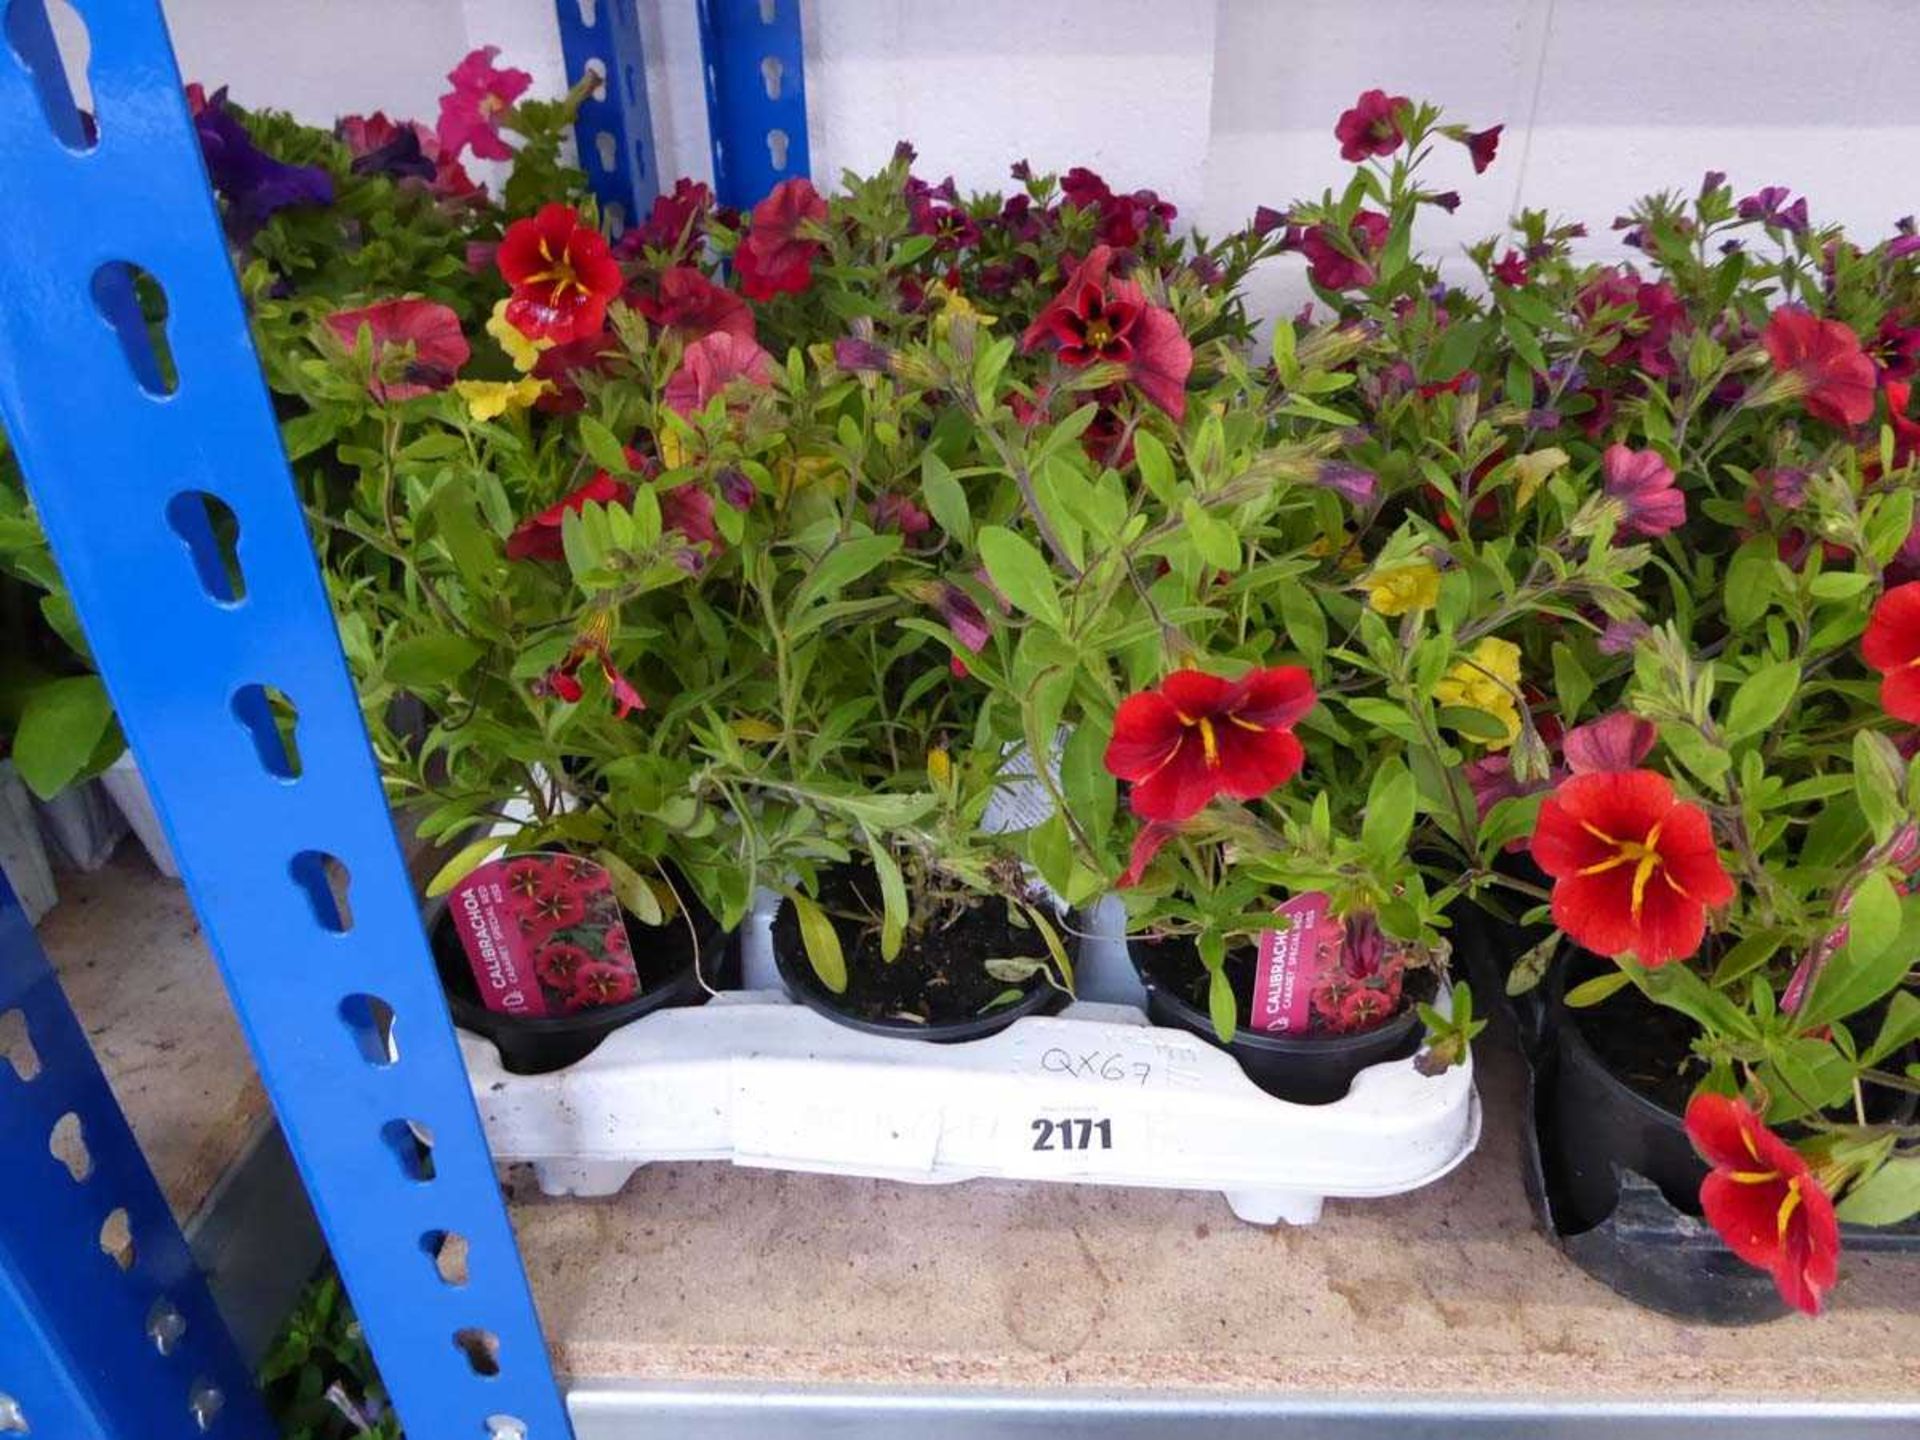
(1219, 104)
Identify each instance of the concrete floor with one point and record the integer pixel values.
(707, 1272)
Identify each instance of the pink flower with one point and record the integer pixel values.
(1372, 126)
(1643, 484)
(1613, 742)
(1620, 636)
(689, 510)
(709, 366)
(422, 335)
(966, 619)
(894, 511)
(1330, 267)
(470, 112)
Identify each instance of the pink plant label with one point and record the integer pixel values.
(1290, 960)
(545, 935)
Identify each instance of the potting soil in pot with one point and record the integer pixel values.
(940, 974)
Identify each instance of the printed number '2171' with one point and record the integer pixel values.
(1072, 1134)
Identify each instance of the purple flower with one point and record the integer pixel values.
(1711, 182)
(401, 157)
(1620, 636)
(1786, 486)
(1266, 220)
(1771, 207)
(1643, 484)
(1356, 485)
(1447, 200)
(735, 488)
(861, 356)
(1902, 247)
(253, 183)
(966, 619)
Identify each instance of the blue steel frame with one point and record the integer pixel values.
(615, 126)
(756, 96)
(125, 457)
(89, 1349)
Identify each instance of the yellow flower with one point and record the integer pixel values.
(955, 306)
(1403, 588)
(1487, 681)
(1532, 470)
(940, 768)
(490, 399)
(673, 449)
(524, 353)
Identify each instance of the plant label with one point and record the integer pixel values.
(1290, 959)
(545, 935)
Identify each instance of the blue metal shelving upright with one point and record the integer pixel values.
(164, 491)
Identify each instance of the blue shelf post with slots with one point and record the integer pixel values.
(756, 96)
(107, 1332)
(614, 130)
(289, 853)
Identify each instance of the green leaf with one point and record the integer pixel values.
(631, 888)
(1088, 785)
(1746, 956)
(60, 727)
(946, 498)
(424, 661)
(1848, 985)
(1877, 774)
(1899, 1030)
(1750, 578)
(1459, 343)
(1592, 992)
(1873, 919)
(1156, 468)
(1678, 988)
(1304, 620)
(1213, 537)
(1570, 681)
(304, 434)
(1222, 1008)
(1389, 815)
(463, 863)
(822, 942)
(602, 447)
(1020, 573)
(1886, 1197)
(893, 899)
(1762, 699)
(841, 566)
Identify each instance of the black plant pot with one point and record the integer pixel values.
(1612, 1177)
(534, 1045)
(1306, 1069)
(790, 957)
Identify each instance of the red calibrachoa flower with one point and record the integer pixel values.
(1765, 1201)
(1512, 269)
(594, 642)
(1372, 126)
(1835, 375)
(1634, 867)
(774, 259)
(558, 966)
(1891, 645)
(1097, 317)
(538, 537)
(602, 984)
(526, 879)
(552, 907)
(709, 366)
(1198, 735)
(692, 307)
(470, 112)
(562, 274)
(423, 332)
(1482, 146)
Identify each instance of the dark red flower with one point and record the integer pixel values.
(598, 983)
(1197, 736)
(593, 642)
(1330, 267)
(1834, 375)
(1891, 645)
(709, 366)
(1764, 1200)
(964, 618)
(1644, 332)
(1643, 484)
(674, 226)
(891, 510)
(1895, 350)
(1482, 145)
(1372, 126)
(1097, 317)
(774, 258)
(692, 307)
(1634, 867)
(418, 339)
(538, 536)
(1512, 269)
(1618, 741)
(1366, 1008)
(562, 274)
(470, 112)
(558, 966)
(561, 366)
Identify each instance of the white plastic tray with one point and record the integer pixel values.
(1094, 1095)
